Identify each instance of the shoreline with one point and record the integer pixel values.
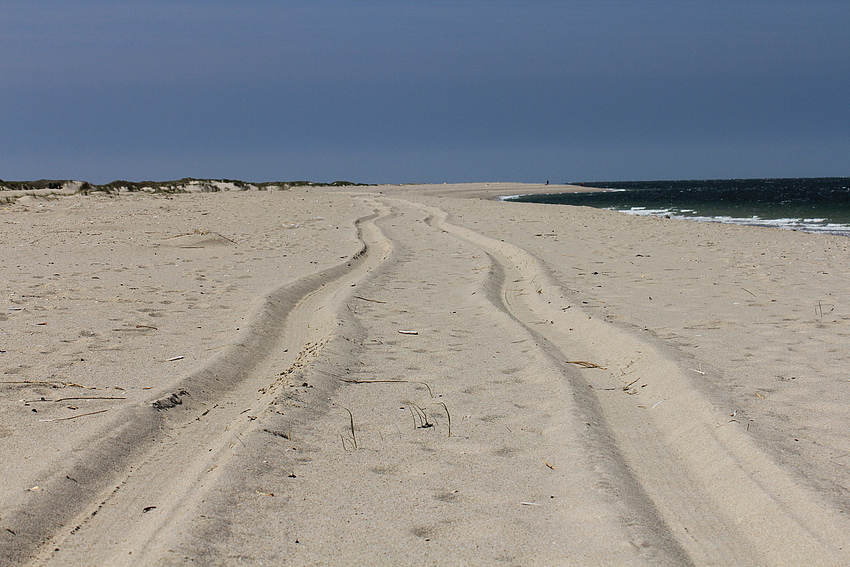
(693, 346)
(816, 205)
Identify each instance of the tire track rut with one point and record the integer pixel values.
(724, 501)
(513, 483)
(123, 493)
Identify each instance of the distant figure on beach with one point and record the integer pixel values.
(547, 182)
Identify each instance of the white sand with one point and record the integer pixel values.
(527, 384)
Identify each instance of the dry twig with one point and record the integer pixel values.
(585, 364)
(73, 416)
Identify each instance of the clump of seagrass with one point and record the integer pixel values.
(417, 412)
(420, 416)
(448, 417)
(351, 440)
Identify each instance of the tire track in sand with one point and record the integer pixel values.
(124, 492)
(509, 482)
(723, 499)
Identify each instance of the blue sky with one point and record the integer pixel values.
(428, 91)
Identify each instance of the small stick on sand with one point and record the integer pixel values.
(200, 231)
(367, 299)
(73, 398)
(353, 381)
(90, 398)
(73, 416)
(585, 364)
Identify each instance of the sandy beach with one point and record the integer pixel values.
(416, 375)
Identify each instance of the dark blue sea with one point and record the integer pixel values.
(820, 205)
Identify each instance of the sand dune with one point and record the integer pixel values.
(416, 375)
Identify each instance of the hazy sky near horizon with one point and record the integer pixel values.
(424, 91)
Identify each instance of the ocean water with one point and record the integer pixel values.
(820, 205)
